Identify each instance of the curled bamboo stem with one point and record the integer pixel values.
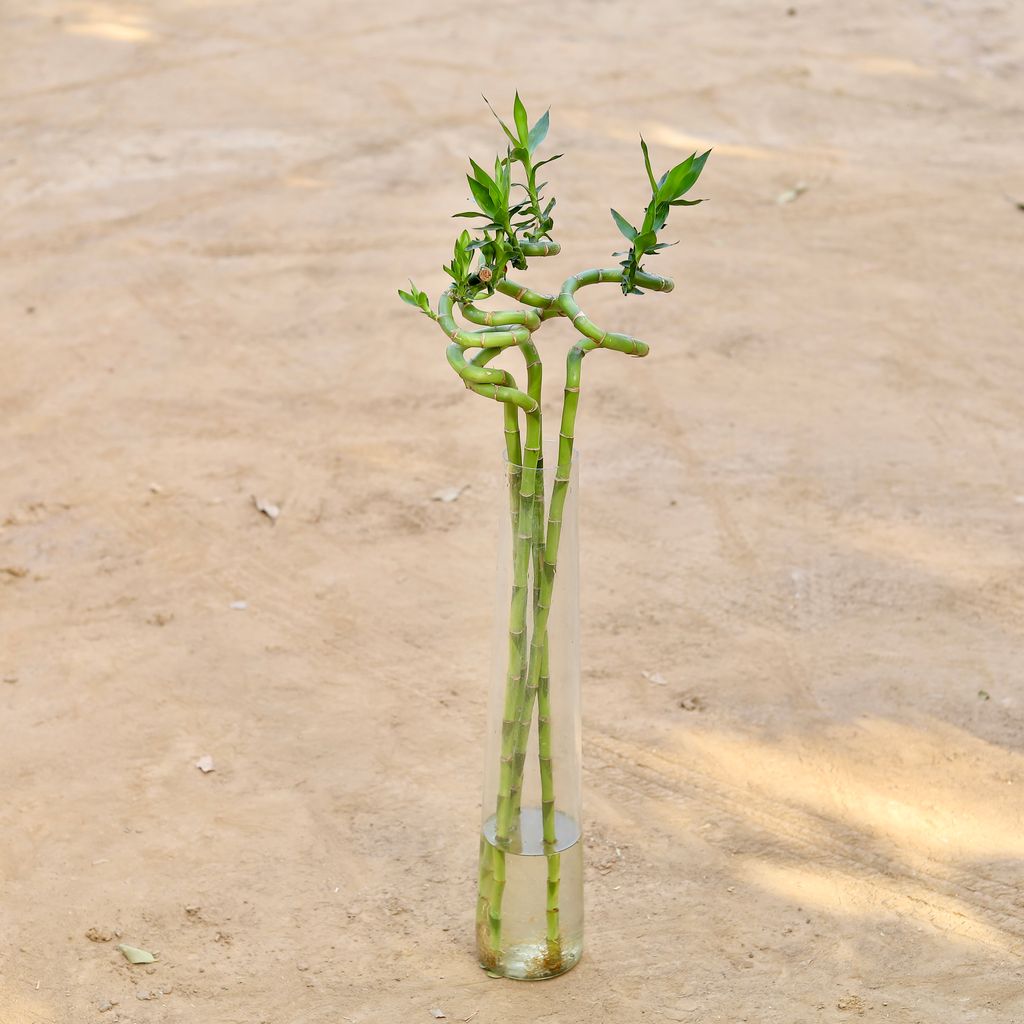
(500, 317)
(594, 335)
(475, 339)
(486, 381)
(499, 384)
(490, 886)
(528, 545)
(521, 293)
(540, 248)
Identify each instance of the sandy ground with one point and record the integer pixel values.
(804, 511)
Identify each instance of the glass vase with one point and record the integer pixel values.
(529, 920)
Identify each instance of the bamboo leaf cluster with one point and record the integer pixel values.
(666, 192)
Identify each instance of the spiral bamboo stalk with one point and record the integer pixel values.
(500, 386)
(521, 293)
(478, 377)
(526, 713)
(540, 248)
(488, 879)
(515, 729)
(531, 509)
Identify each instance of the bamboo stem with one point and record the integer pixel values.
(547, 796)
(510, 784)
(539, 248)
(521, 293)
(489, 894)
(538, 642)
(515, 726)
(532, 506)
(500, 317)
(524, 471)
(531, 510)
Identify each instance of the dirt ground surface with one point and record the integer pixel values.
(804, 511)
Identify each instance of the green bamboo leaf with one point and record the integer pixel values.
(643, 241)
(482, 176)
(698, 164)
(521, 120)
(469, 213)
(424, 302)
(406, 297)
(482, 195)
(538, 132)
(690, 178)
(502, 176)
(548, 160)
(647, 164)
(504, 126)
(624, 226)
(460, 260)
(682, 178)
(649, 215)
(669, 188)
(685, 202)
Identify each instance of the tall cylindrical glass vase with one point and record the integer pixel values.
(530, 902)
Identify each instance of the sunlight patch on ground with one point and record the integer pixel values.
(842, 894)
(923, 792)
(664, 135)
(961, 559)
(111, 30)
(28, 1008)
(109, 21)
(892, 66)
(302, 181)
(657, 133)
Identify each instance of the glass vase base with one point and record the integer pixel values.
(530, 890)
(535, 962)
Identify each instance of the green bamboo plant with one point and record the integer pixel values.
(515, 226)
